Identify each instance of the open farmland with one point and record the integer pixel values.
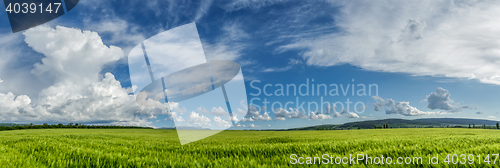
(161, 148)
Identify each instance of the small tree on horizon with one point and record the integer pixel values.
(498, 126)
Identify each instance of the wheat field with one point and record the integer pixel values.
(161, 148)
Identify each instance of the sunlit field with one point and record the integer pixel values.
(161, 148)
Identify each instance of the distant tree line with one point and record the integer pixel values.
(69, 125)
(385, 126)
(485, 127)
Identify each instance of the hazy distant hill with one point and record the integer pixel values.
(459, 121)
(11, 124)
(402, 123)
(185, 128)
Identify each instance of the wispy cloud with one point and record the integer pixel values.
(291, 64)
(252, 4)
(442, 38)
(229, 44)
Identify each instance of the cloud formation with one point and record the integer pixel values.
(441, 100)
(199, 120)
(419, 37)
(218, 111)
(73, 60)
(352, 115)
(438, 100)
(253, 114)
(319, 116)
(282, 114)
(401, 108)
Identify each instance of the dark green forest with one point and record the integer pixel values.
(9, 126)
(402, 123)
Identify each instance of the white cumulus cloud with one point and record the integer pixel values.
(421, 37)
(441, 100)
(218, 111)
(319, 116)
(72, 62)
(401, 108)
(254, 115)
(352, 115)
(198, 120)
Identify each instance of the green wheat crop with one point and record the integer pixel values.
(161, 148)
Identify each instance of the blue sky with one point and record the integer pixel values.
(443, 47)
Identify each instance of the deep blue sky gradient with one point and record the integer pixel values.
(268, 28)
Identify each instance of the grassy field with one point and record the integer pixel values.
(161, 148)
